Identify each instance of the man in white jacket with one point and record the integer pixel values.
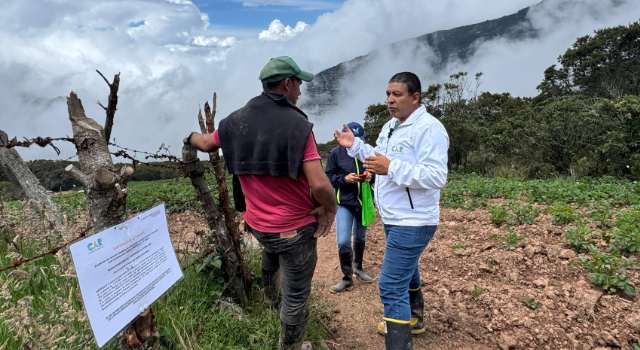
(410, 161)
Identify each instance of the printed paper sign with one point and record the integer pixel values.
(124, 269)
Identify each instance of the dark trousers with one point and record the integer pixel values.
(295, 255)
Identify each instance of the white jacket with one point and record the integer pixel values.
(409, 195)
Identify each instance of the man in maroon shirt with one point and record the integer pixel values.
(289, 199)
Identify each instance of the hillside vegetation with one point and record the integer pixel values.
(584, 122)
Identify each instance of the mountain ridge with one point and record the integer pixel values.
(449, 44)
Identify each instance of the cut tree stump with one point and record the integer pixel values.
(106, 194)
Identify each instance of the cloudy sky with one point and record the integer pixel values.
(172, 55)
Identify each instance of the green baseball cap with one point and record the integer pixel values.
(282, 67)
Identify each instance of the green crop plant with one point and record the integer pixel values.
(458, 245)
(499, 215)
(601, 214)
(511, 239)
(477, 291)
(562, 213)
(608, 270)
(526, 214)
(531, 303)
(626, 233)
(578, 237)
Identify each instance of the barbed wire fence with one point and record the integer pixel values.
(106, 192)
(193, 251)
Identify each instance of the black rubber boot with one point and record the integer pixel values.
(291, 336)
(358, 250)
(358, 254)
(346, 283)
(346, 259)
(416, 301)
(398, 337)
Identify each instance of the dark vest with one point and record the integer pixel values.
(265, 137)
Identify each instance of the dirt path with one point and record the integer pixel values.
(482, 295)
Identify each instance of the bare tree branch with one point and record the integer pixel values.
(234, 268)
(103, 77)
(208, 114)
(223, 193)
(111, 104)
(53, 251)
(78, 175)
(203, 129)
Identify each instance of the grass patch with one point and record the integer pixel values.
(39, 306)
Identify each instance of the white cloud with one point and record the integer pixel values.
(515, 67)
(171, 59)
(308, 5)
(201, 40)
(279, 32)
(518, 67)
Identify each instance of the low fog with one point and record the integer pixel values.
(172, 57)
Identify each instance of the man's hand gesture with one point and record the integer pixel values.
(378, 164)
(345, 137)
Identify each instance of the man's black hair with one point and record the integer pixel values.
(411, 80)
(270, 85)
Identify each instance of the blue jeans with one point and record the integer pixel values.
(399, 271)
(348, 224)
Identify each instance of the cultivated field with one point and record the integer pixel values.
(515, 264)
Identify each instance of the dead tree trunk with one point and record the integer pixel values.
(37, 195)
(206, 126)
(106, 193)
(219, 170)
(232, 258)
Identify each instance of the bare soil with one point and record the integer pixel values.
(475, 292)
(475, 289)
